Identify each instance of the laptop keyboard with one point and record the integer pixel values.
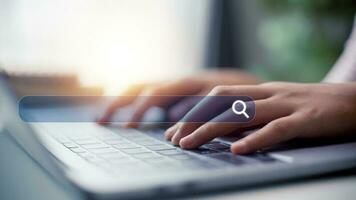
(131, 150)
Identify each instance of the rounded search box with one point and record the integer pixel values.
(242, 111)
(194, 109)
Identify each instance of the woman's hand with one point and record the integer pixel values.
(287, 110)
(195, 85)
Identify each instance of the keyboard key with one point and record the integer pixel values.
(80, 137)
(109, 137)
(160, 147)
(95, 146)
(150, 142)
(129, 134)
(63, 140)
(182, 157)
(70, 145)
(77, 150)
(203, 150)
(214, 142)
(87, 141)
(103, 150)
(116, 141)
(218, 146)
(170, 152)
(135, 151)
(146, 156)
(137, 137)
(126, 146)
(115, 155)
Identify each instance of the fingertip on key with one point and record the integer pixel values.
(131, 125)
(102, 121)
(175, 140)
(185, 143)
(168, 135)
(239, 148)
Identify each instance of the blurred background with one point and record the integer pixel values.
(111, 44)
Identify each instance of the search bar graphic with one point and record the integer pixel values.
(242, 111)
(171, 109)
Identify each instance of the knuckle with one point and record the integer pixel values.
(209, 128)
(184, 128)
(293, 95)
(311, 112)
(286, 94)
(279, 126)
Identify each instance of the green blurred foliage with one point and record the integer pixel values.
(303, 38)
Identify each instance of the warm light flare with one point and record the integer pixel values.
(109, 43)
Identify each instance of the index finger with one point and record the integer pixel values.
(130, 95)
(169, 92)
(221, 125)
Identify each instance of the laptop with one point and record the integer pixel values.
(117, 163)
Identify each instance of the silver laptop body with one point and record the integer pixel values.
(109, 162)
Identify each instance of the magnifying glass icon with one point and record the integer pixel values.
(242, 111)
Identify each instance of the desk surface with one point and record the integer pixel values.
(22, 178)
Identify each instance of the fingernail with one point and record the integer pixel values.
(168, 133)
(102, 121)
(175, 140)
(130, 125)
(127, 124)
(239, 148)
(185, 143)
